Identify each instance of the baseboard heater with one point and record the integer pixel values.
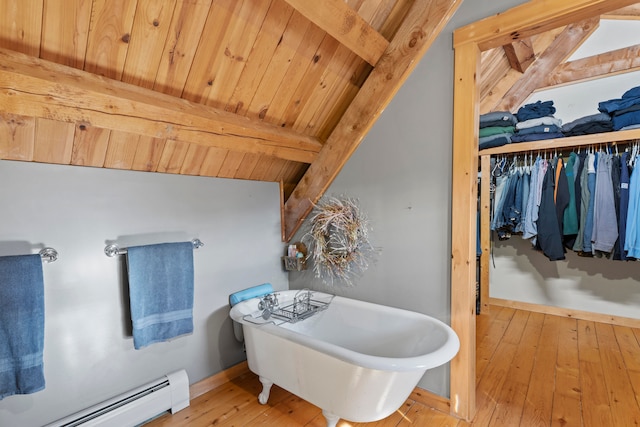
(169, 393)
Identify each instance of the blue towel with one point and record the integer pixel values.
(160, 291)
(21, 325)
(254, 292)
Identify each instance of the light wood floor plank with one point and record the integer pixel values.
(537, 370)
(391, 421)
(566, 399)
(497, 324)
(630, 349)
(539, 401)
(418, 415)
(495, 373)
(622, 401)
(511, 397)
(595, 402)
(291, 411)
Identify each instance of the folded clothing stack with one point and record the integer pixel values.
(536, 122)
(587, 125)
(624, 112)
(496, 129)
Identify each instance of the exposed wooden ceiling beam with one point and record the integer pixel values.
(423, 23)
(520, 54)
(561, 48)
(606, 64)
(629, 12)
(494, 68)
(33, 87)
(345, 25)
(493, 87)
(524, 20)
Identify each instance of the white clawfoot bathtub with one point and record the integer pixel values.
(355, 360)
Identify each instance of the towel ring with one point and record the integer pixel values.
(113, 249)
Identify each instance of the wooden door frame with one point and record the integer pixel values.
(523, 21)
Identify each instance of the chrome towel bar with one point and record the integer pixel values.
(113, 249)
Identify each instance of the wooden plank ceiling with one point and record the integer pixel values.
(245, 89)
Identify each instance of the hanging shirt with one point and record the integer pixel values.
(533, 201)
(549, 236)
(501, 183)
(624, 203)
(570, 219)
(632, 235)
(605, 224)
(591, 185)
(615, 181)
(584, 202)
(561, 192)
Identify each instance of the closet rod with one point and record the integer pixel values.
(113, 249)
(48, 255)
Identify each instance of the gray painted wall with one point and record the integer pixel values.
(401, 174)
(596, 285)
(88, 356)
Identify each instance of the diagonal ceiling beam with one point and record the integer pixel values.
(345, 25)
(33, 87)
(493, 86)
(605, 64)
(561, 48)
(423, 23)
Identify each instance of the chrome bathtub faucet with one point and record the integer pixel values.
(267, 304)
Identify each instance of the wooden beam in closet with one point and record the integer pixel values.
(463, 247)
(530, 19)
(520, 54)
(561, 48)
(485, 224)
(627, 12)
(493, 69)
(606, 64)
(423, 23)
(345, 25)
(42, 89)
(494, 86)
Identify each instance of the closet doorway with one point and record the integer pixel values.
(472, 45)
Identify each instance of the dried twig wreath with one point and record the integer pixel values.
(339, 241)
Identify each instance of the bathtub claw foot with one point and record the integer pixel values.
(332, 419)
(266, 389)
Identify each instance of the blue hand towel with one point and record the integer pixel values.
(160, 291)
(21, 325)
(256, 291)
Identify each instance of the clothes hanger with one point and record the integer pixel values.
(497, 168)
(512, 166)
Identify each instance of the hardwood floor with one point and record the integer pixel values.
(532, 370)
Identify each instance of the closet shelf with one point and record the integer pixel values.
(571, 141)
